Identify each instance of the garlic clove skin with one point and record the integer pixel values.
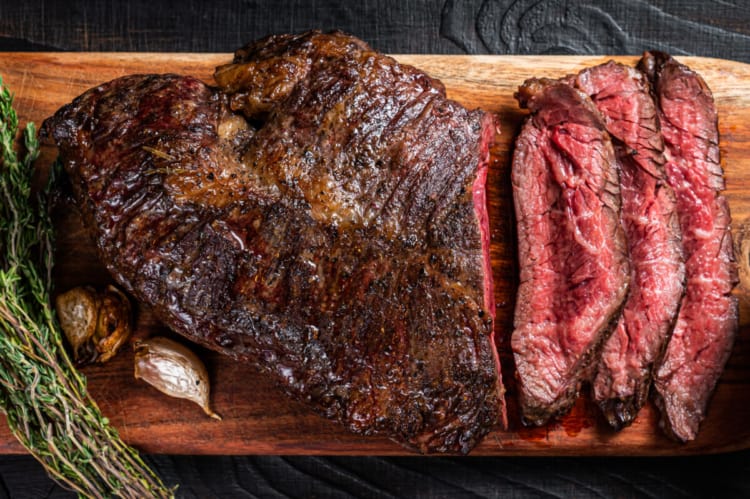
(174, 370)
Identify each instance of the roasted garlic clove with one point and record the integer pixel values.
(77, 311)
(95, 324)
(173, 369)
(113, 325)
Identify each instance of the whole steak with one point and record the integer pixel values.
(335, 236)
(649, 214)
(573, 262)
(707, 323)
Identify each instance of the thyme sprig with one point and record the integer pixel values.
(43, 396)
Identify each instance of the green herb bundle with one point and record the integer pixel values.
(42, 395)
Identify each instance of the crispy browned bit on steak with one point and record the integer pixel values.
(572, 255)
(340, 243)
(649, 214)
(707, 322)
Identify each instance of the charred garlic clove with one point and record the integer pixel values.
(95, 324)
(113, 325)
(174, 370)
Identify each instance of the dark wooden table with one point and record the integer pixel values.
(710, 28)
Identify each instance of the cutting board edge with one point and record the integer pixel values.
(491, 58)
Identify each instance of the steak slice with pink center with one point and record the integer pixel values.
(649, 214)
(574, 270)
(707, 323)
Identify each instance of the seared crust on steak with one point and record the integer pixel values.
(333, 238)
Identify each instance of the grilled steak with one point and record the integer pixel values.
(335, 236)
(707, 322)
(574, 269)
(649, 214)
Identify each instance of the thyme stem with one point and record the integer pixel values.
(43, 396)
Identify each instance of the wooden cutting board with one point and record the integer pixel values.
(257, 417)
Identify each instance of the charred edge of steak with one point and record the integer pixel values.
(267, 71)
(364, 300)
(620, 412)
(622, 377)
(572, 254)
(703, 337)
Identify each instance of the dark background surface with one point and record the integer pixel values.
(708, 28)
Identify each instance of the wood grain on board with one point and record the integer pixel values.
(258, 418)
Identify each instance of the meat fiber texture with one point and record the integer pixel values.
(321, 214)
(574, 269)
(706, 326)
(649, 215)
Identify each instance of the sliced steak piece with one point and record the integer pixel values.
(574, 269)
(340, 244)
(649, 214)
(706, 325)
